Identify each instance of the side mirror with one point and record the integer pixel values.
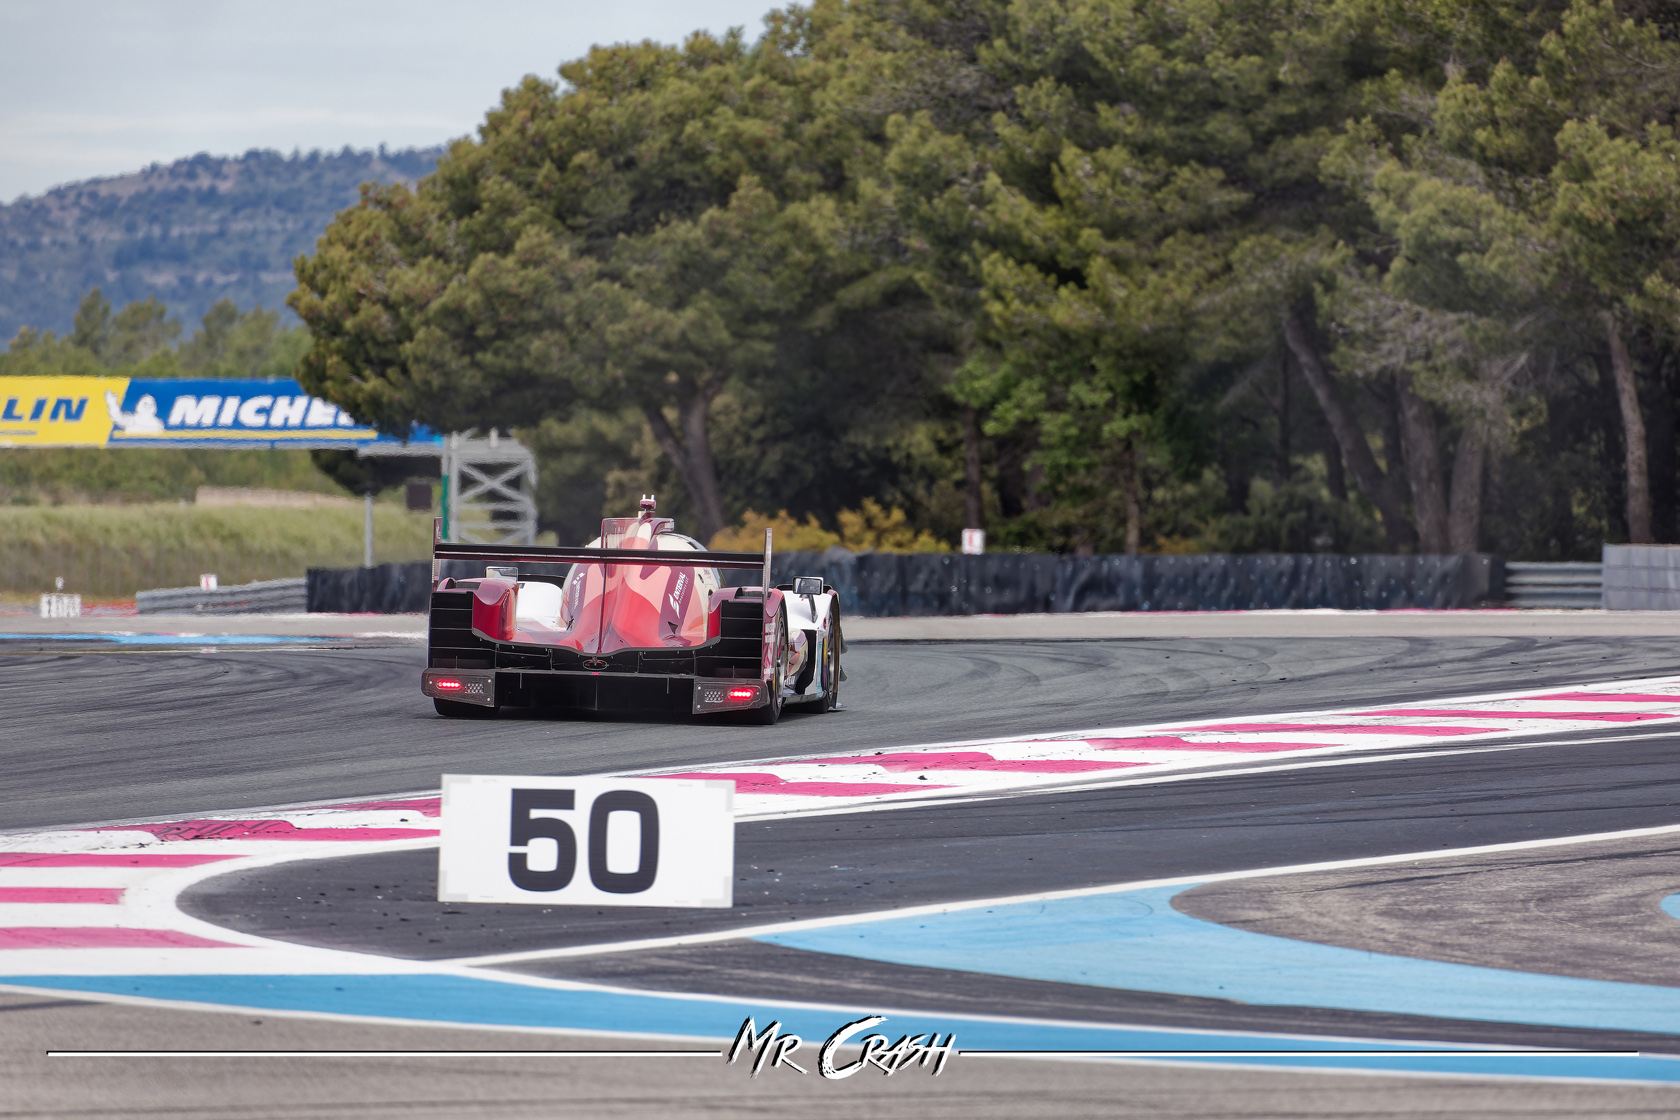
(808, 585)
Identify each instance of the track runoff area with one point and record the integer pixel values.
(1439, 895)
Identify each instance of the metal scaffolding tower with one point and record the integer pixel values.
(489, 487)
(489, 490)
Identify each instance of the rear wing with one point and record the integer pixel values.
(545, 554)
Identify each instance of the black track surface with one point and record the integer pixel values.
(162, 734)
(812, 867)
(119, 736)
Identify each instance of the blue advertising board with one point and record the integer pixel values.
(160, 412)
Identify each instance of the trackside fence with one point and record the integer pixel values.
(878, 584)
(1551, 585)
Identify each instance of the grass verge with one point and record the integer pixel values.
(110, 552)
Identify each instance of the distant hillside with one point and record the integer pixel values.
(191, 233)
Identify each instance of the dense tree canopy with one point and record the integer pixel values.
(653, 237)
(1098, 274)
(143, 340)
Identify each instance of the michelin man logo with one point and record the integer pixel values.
(144, 418)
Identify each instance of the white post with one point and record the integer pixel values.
(367, 531)
(452, 487)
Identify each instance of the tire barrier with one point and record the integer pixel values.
(397, 588)
(381, 589)
(883, 584)
(895, 584)
(269, 596)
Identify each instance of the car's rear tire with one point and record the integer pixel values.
(454, 709)
(772, 711)
(831, 671)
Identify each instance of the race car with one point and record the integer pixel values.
(642, 621)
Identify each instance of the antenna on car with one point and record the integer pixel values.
(649, 503)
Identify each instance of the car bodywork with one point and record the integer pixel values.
(642, 621)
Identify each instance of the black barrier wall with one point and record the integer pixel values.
(396, 588)
(382, 589)
(877, 584)
(887, 584)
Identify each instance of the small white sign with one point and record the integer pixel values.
(974, 542)
(587, 841)
(56, 604)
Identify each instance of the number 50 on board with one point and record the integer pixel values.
(587, 841)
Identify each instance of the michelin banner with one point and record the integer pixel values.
(148, 412)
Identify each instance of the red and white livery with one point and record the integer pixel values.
(642, 621)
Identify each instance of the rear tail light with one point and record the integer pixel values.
(714, 697)
(468, 688)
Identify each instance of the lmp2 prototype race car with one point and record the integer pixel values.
(641, 622)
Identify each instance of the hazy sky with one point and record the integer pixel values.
(107, 86)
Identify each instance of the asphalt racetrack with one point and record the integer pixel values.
(138, 732)
(175, 732)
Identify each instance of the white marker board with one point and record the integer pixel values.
(587, 841)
